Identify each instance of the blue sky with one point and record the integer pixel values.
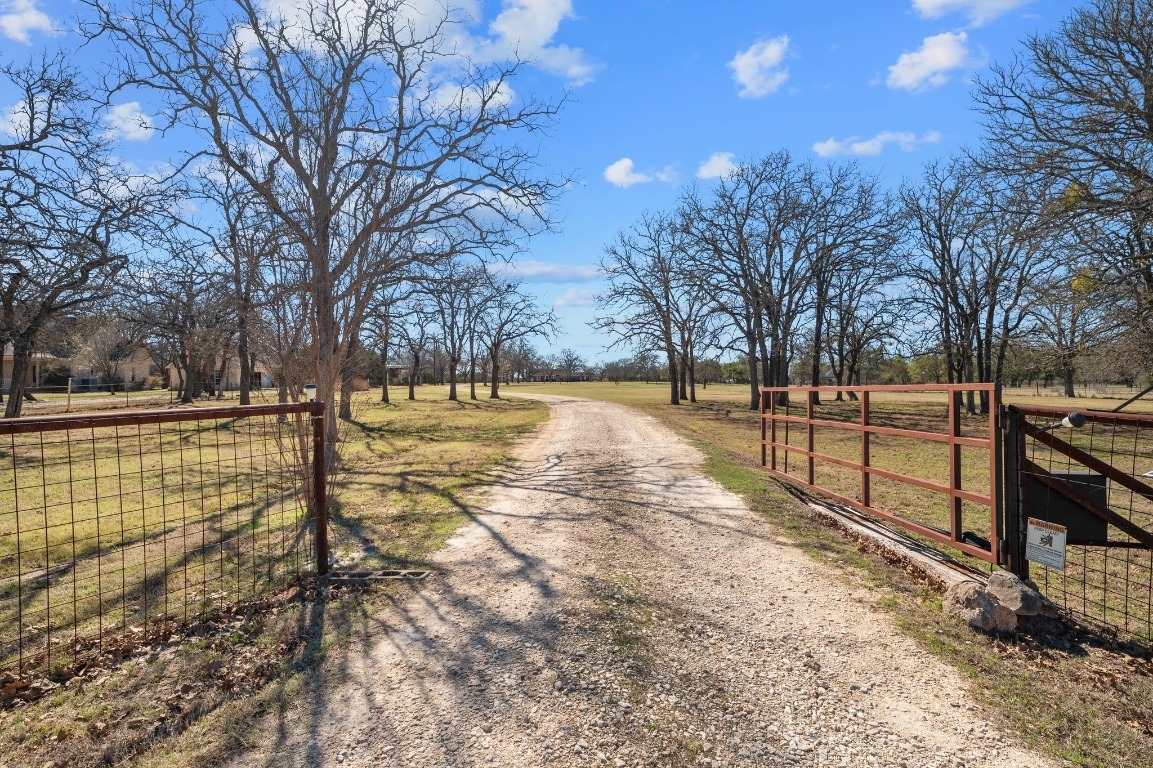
(664, 93)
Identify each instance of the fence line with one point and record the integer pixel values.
(1103, 468)
(895, 452)
(112, 523)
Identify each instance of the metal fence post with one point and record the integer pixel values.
(320, 493)
(1011, 497)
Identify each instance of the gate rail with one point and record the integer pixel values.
(115, 525)
(777, 419)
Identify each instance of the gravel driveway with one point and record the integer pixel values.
(612, 606)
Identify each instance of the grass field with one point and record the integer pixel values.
(406, 471)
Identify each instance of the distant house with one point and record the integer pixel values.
(559, 374)
(42, 363)
(228, 376)
(131, 371)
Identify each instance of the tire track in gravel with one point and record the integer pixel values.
(610, 605)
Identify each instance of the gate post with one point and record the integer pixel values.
(1013, 524)
(320, 492)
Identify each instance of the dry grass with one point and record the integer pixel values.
(187, 699)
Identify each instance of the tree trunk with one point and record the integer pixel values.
(754, 382)
(220, 376)
(692, 366)
(494, 362)
(191, 366)
(452, 364)
(818, 332)
(471, 367)
(242, 353)
(347, 373)
(1067, 371)
(683, 375)
(970, 399)
(412, 375)
(763, 349)
(346, 396)
(674, 384)
(21, 361)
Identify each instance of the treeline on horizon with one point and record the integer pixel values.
(350, 187)
(1025, 258)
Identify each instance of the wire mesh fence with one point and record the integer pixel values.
(1106, 468)
(111, 524)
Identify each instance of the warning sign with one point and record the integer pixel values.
(1046, 543)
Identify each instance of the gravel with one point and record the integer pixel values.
(612, 606)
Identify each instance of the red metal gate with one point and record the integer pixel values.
(848, 448)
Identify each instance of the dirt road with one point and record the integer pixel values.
(610, 605)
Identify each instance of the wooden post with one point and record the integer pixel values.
(68, 405)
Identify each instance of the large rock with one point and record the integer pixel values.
(1014, 594)
(969, 601)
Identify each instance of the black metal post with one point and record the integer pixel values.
(1013, 526)
(320, 493)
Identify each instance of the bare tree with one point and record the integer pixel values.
(248, 239)
(415, 328)
(510, 316)
(569, 361)
(856, 231)
(751, 248)
(182, 303)
(1076, 314)
(640, 304)
(69, 210)
(1074, 105)
(350, 121)
(102, 342)
(941, 208)
(458, 292)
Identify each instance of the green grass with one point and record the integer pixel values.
(1066, 691)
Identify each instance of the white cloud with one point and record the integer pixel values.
(527, 28)
(126, 121)
(906, 140)
(719, 164)
(576, 297)
(468, 99)
(12, 119)
(524, 29)
(622, 174)
(977, 11)
(758, 70)
(21, 17)
(930, 65)
(534, 271)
